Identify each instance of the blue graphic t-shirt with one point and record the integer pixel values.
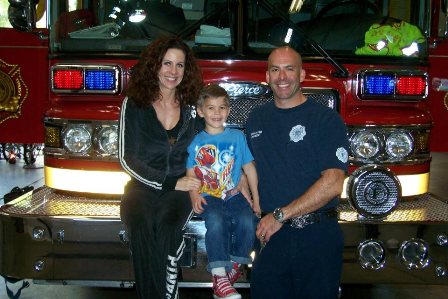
(218, 160)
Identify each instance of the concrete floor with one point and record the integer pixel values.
(12, 175)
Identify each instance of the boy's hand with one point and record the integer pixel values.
(197, 201)
(243, 187)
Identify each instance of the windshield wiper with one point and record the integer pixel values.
(341, 71)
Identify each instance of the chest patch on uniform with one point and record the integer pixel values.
(297, 133)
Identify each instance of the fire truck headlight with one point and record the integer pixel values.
(365, 145)
(399, 144)
(371, 254)
(373, 191)
(414, 254)
(108, 140)
(77, 139)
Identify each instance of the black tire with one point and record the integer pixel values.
(6, 150)
(30, 152)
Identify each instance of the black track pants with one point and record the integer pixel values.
(155, 223)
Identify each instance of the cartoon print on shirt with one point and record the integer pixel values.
(213, 169)
(297, 133)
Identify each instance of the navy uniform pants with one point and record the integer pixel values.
(155, 223)
(300, 263)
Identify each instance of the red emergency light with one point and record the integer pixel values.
(68, 79)
(392, 85)
(411, 85)
(85, 79)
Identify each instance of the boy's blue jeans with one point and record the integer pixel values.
(230, 232)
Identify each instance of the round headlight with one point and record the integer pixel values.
(371, 254)
(398, 145)
(365, 145)
(414, 254)
(77, 139)
(108, 140)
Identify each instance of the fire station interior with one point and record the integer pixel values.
(20, 174)
(22, 168)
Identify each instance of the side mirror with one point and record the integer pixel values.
(22, 14)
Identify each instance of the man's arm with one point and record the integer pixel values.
(327, 187)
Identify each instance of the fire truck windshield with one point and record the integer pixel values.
(241, 28)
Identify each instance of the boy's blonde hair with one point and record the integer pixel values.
(213, 91)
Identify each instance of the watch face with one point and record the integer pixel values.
(278, 215)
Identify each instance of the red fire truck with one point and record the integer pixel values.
(380, 64)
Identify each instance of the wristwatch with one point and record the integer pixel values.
(278, 215)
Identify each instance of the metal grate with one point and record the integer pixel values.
(240, 107)
(423, 208)
(46, 202)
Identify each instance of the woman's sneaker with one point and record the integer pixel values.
(222, 289)
(234, 274)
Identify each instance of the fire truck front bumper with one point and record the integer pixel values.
(62, 238)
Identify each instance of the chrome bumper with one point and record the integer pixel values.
(60, 238)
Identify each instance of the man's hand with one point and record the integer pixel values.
(267, 227)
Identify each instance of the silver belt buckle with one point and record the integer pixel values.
(300, 221)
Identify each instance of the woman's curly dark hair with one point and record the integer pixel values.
(143, 86)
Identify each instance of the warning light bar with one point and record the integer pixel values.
(397, 85)
(99, 79)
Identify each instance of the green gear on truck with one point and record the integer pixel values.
(395, 37)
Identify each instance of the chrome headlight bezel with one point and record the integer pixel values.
(365, 144)
(77, 139)
(106, 140)
(399, 144)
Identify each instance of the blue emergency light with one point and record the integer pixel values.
(379, 85)
(100, 79)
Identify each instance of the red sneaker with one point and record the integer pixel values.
(222, 289)
(234, 274)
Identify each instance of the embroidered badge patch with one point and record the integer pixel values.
(342, 154)
(255, 134)
(297, 133)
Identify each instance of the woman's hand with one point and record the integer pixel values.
(188, 183)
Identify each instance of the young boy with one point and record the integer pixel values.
(217, 156)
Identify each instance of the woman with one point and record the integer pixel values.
(157, 123)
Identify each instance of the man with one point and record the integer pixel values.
(300, 150)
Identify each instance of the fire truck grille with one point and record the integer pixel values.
(47, 202)
(241, 107)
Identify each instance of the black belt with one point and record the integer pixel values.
(311, 218)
